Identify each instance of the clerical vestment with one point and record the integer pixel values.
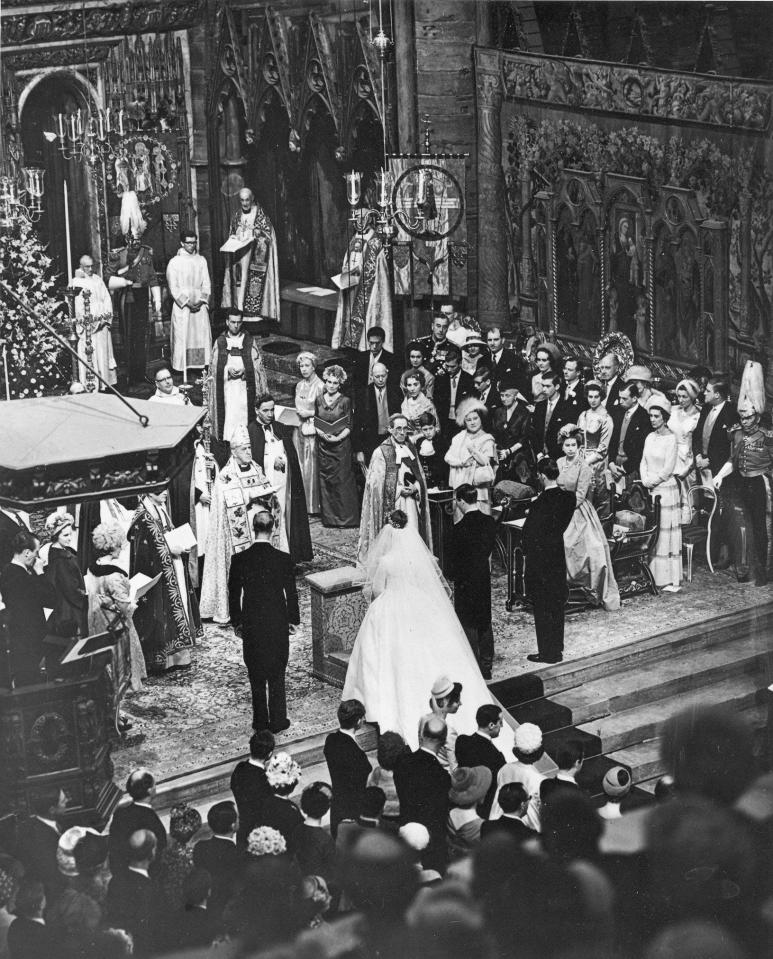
(188, 278)
(251, 282)
(239, 378)
(367, 303)
(236, 495)
(101, 311)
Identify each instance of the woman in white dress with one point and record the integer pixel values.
(307, 389)
(409, 637)
(596, 425)
(682, 424)
(472, 454)
(658, 463)
(415, 402)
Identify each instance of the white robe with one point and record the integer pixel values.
(101, 310)
(189, 284)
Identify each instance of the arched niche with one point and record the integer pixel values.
(61, 91)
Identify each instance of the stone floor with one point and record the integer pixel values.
(192, 718)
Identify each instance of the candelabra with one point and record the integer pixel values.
(21, 197)
(92, 137)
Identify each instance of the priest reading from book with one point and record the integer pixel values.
(251, 282)
(239, 490)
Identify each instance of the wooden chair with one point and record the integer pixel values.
(702, 501)
(630, 548)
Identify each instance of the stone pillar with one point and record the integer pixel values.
(493, 306)
(405, 68)
(526, 266)
(337, 609)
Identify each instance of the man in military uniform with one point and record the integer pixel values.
(434, 346)
(131, 276)
(751, 459)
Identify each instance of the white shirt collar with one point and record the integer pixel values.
(140, 871)
(430, 752)
(496, 356)
(256, 762)
(349, 732)
(147, 805)
(226, 838)
(565, 777)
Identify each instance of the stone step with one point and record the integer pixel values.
(609, 734)
(666, 677)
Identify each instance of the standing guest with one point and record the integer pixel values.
(109, 601)
(390, 750)
(249, 784)
(543, 548)
(315, 850)
(711, 448)
(548, 418)
(478, 749)
(273, 450)
(263, 603)
(617, 785)
(631, 426)
(469, 786)
(472, 543)
(513, 800)
(347, 764)
(350, 831)
(511, 428)
(76, 914)
(26, 594)
(167, 617)
(610, 378)
(472, 353)
(395, 480)
(642, 377)
(431, 448)
(203, 475)
(166, 391)
(658, 463)
(434, 346)
(70, 616)
(684, 419)
(28, 935)
(573, 394)
(472, 455)
(251, 280)
(13, 521)
(37, 838)
(375, 404)
(238, 378)
(365, 360)
(505, 363)
(220, 855)
(278, 811)
(548, 362)
(422, 788)
(415, 357)
(588, 560)
(484, 390)
(452, 385)
(569, 758)
(102, 358)
(333, 421)
(597, 428)
(445, 700)
(137, 814)
(195, 924)
(307, 390)
(188, 277)
(415, 401)
(528, 751)
(178, 857)
(133, 899)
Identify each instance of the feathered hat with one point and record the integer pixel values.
(132, 221)
(751, 396)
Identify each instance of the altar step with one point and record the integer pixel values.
(616, 702)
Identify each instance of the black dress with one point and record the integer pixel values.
(71, 610)
(337, 486)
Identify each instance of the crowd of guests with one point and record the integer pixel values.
(440, 852)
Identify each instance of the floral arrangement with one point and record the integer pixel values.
(265, 841)
(35, 363)
(282, 771)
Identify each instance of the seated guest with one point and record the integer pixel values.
(373, 406)
(315, 850)
(70, 614)
(569, 759)
(134, 816)
(365, 360)
(283, 774)
(588, 560)
(548, 418)
(514, 803)
(391, 748)
(511, 429)
(249, 784)
(444, 701)
(479, 749)
(26, 594)
(177, 858)
(572, 393)
(657, 467)
(37, 838)
(630, 428)
(415, 357)
(484, 388)
(452, 385)
(219, 855)
(28, 935)
(528, 751)
(505, 363)
(597, 427)
(468, 788)
(431, 448)
(347, 764)
(133, 900)
(416, 401)
(472, 454)
(349, 831)
(617, 785)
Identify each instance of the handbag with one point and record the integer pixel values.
(483, 475)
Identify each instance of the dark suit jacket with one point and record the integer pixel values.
(508, 827)
(719, 440)
(575, 403)
(442, 395)
(349, 769)
(281, 814)
(510, 364)
(492, 401)
(422, 788)
(127, 820)
(548, 440)
(298, 534)
(315, 851)
(191, 928)
(612, 399)
(543, 543)
(472, 542)
(263, 601)
(507, 433)
(8, 529)
(25, 596)
(361, 367)
(552, 788)
(633, 447)
(250, 789)
(28, 939)
(365, 435)
(133, 903)
(477, 750)
(224, 862)
(36, 845)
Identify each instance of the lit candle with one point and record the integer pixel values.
(383, 188)
(60, 125)
(79, 125)
(353, 182)
(421, 188)
(108, 121)
(73, 127)
(120, 123)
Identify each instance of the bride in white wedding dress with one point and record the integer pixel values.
(409, 637)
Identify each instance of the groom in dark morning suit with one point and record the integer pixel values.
(347, 764)
(263, 603)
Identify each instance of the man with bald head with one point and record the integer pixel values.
(133, 816)
(100, 318)
(609, 376)
(374, 404)
(251, 282)
(422, 787)
(132, 900)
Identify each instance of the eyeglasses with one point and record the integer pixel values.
(162, 379)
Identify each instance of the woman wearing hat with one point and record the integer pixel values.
(70, 614)
(472, 455)
(684, 419)
(469, 787)
(658, 463)
(472, 353)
